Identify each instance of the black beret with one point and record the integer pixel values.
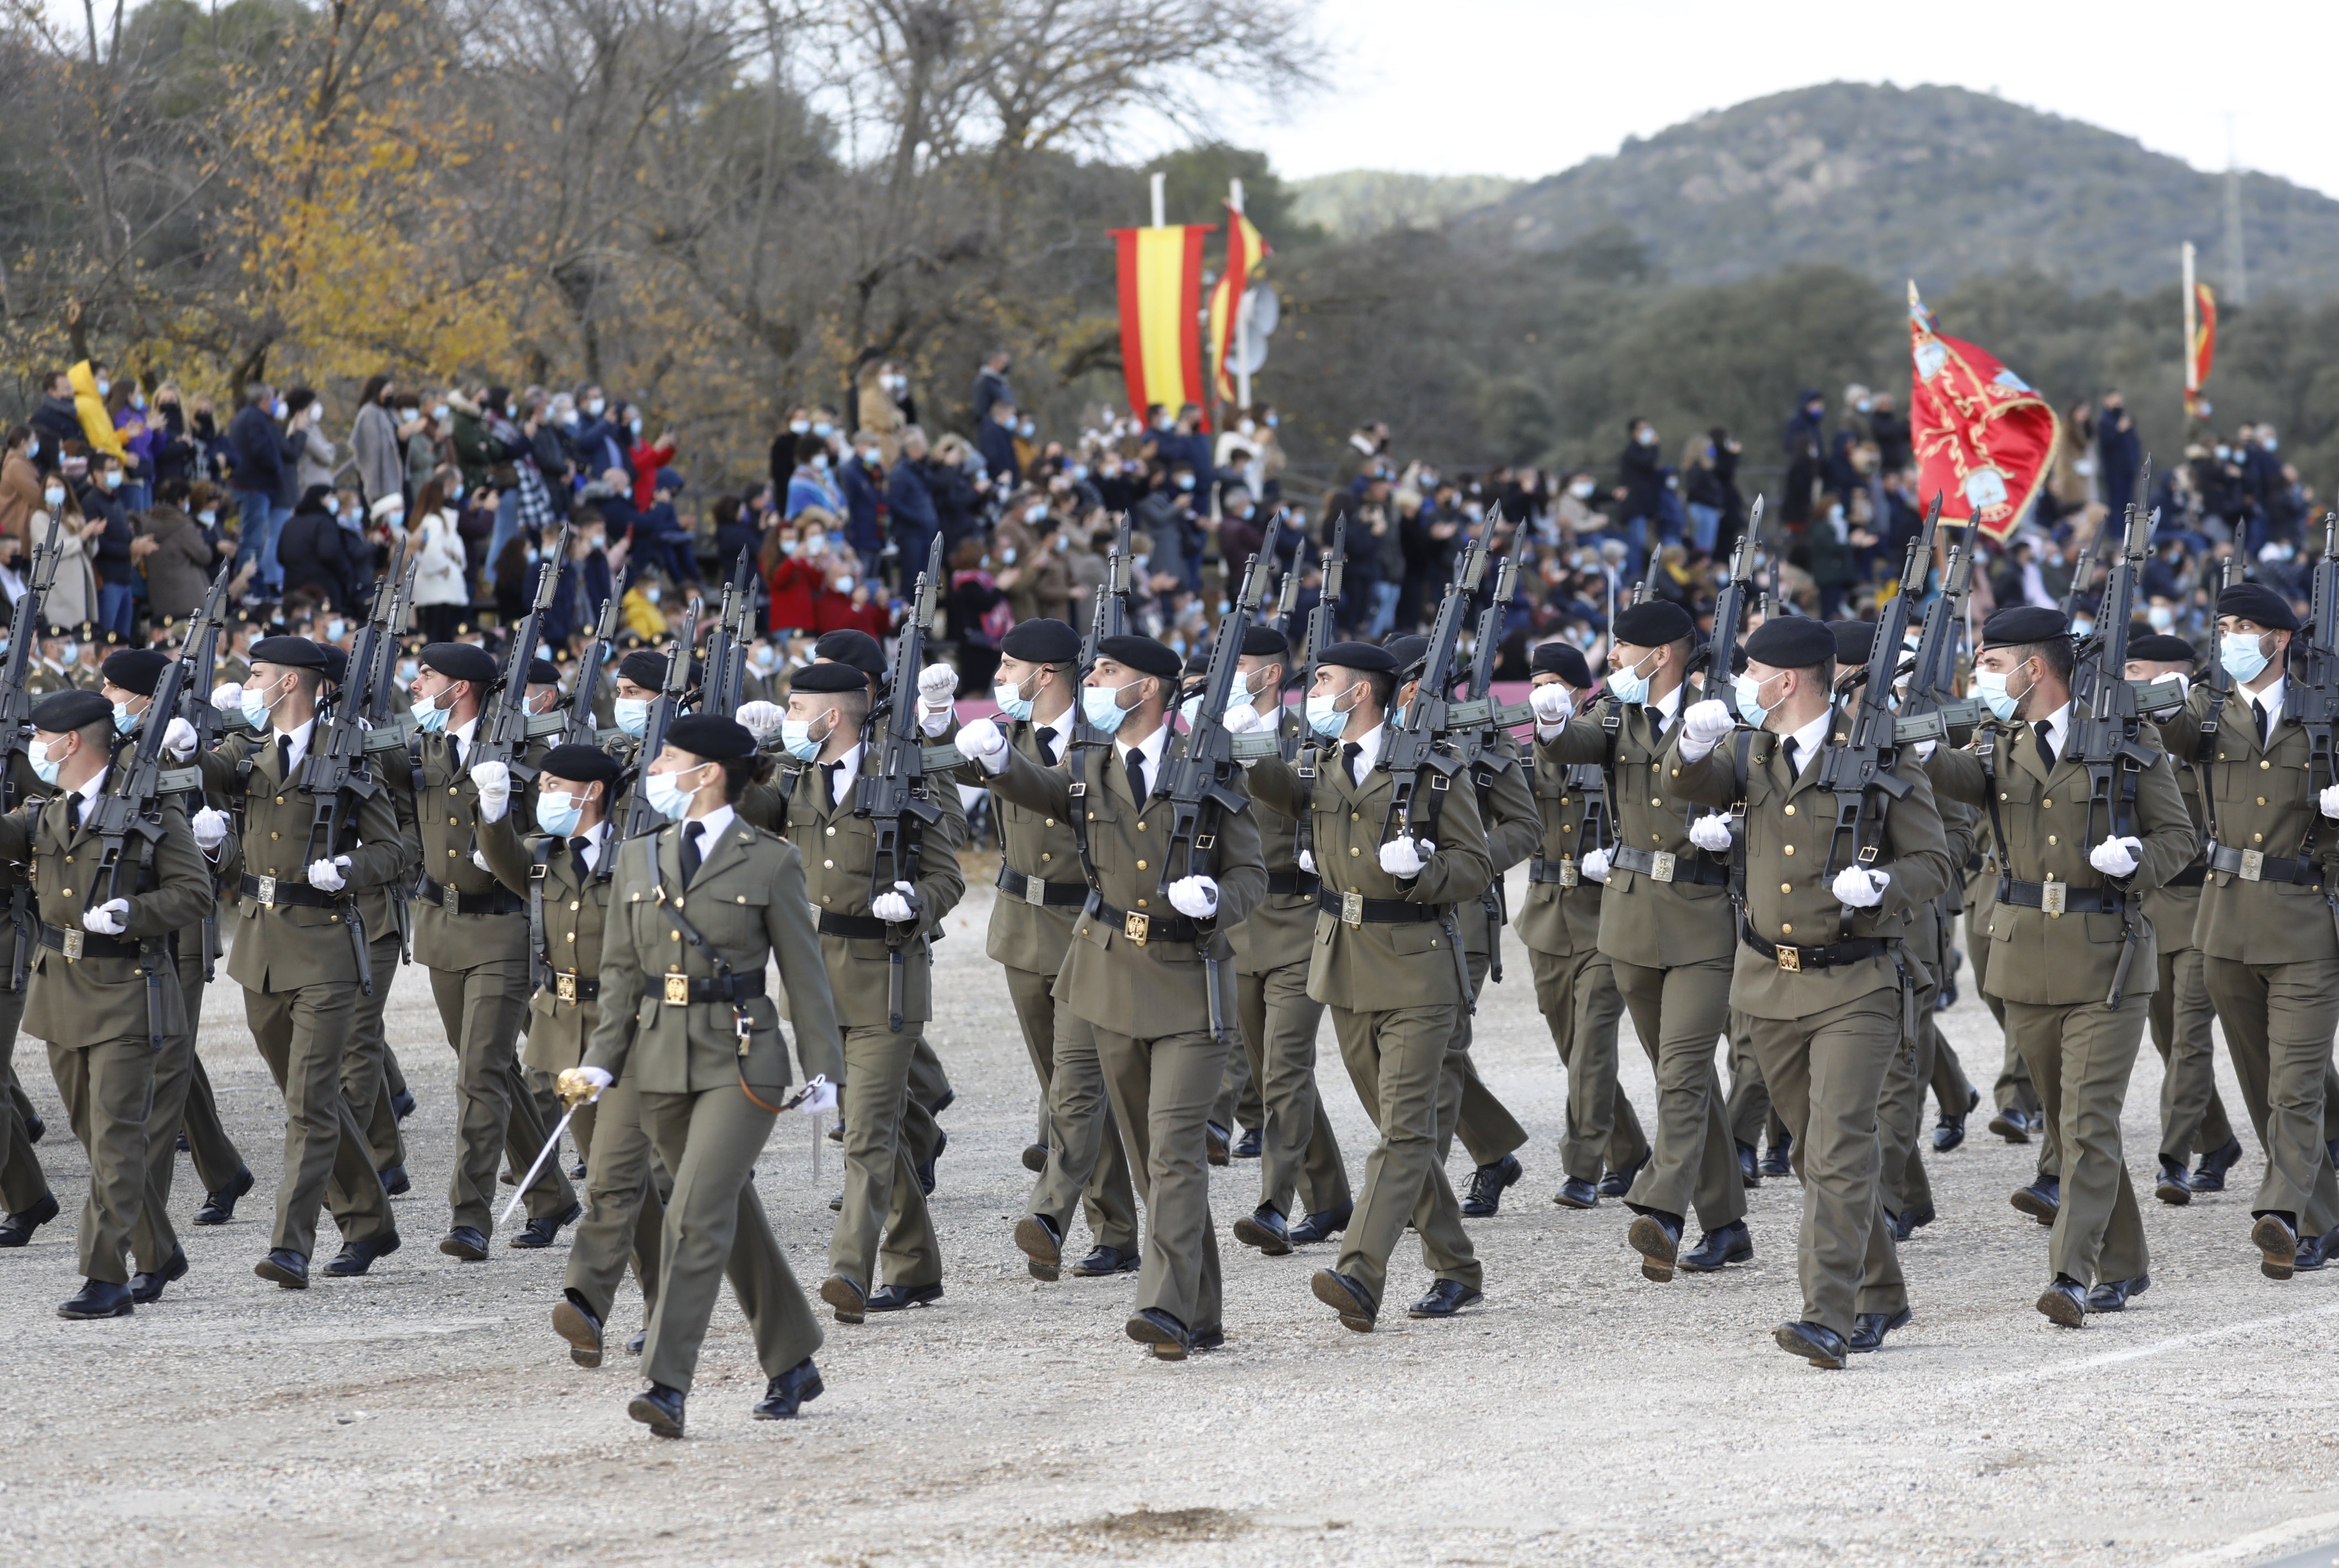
(2256, 601)
(1408, 651)
(1790, 643)
(1564, 660)
(582, 765)
(2160, 648)
(292, 652)
(644, 668)
(1040, 641)
(137, 670)
(1358, 657)
(828, 678)
(1264, 641)
(543, 673)
(336, 663)
(1652, 624)
(847, 646)
(1854, 641)
(459, 661)
(1196, 663)
(63, 711)
(2023, 624)
(1142, 655)
(711, 736)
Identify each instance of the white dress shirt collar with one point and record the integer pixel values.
(300, 738)
(2269, 699)
(848, 769)
(1368, 754)
(710, 828)
(1808, 740)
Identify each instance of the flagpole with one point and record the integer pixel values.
(1241, 288)
(2192, 335)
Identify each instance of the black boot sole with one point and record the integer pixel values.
(1043, 1253)
(584, 1340)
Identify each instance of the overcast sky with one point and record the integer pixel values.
(1529, 87)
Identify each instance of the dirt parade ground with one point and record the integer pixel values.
(428, 1413)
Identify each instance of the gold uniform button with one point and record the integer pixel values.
(572, 936)
(572, 906)
(2002, 795)
(1354, 852)
(2261, 800)
(1045, 855)
(2257, 838)
(2221, 757)
(2264, 764)
(454, 789)
(1140, 827)
(1790, 811)
(1562, 800)
(452, 822)
(832, 833)
(1353, 817)
(741, 898)
(279, 800)
(828, 865)
(1787, 930)
(1676, 773)
(1564, 828)
(1790, 848)
(2048, 803)
(275, 835)
(450, 854)
(826, 899)
(1655, 802)
(1786, 887)
(1141, 865)
(1655, 838)
(2050, 838)
(69, 858)
(1652, 767)
(1142, 903)
(1052, 822)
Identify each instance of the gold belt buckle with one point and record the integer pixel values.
(74, 939)
(1568, 875)
(563, 985)
(2253, 865)
(1660, 866)
(1035, 892)
(266, 893)
(1352, 908)
(1790, 959)
(2054, 897)
(1134, 925)
(677, 990)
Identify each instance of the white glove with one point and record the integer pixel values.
(896, 907)
(1195, 897)
(1308, 861)
(1552, 702)
(985, 743)
(937, 688)
(1859, 887)
(2117, 856)
(582, 1085)
(108, 918)
(494, 782)
(325, 875)
(479, 859)
(2329, 801)
(1242, 718)
(762, 719)
(179, 737)
(1594, 867)
(211, 829)
(819, 1096)
(1703, 727)
(228, 697)
(1404, 857)
(1710, 831)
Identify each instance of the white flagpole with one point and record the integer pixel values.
(2191, 332)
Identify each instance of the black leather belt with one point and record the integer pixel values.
(1796, 960)
(2252, 866)
(495, 900)
(2058, 897)
(1140, 927)
(1356, 909)
(1294, 883)
(272, 893)
(865, 927)
(567, 985)
(1033, 890)
(1560, 873)
(2193, 875)
(681, 989)
(77, 944)
(1658, 865)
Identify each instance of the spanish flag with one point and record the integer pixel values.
(1161, 275)
(1246, 252)
(2203, 349)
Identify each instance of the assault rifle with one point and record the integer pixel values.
(1410, 749)
(726, 650)
(2107, 722)
(1477, 720)
(1720, 655)
(891, 792)
(2312, 695)
(2083, 571)
(1197, 781)
(505, 727)
(16, 729)
(1107, 618)
(1932, 710)
(580, 728)
(392, 620)
(642, 817)
(335, 771)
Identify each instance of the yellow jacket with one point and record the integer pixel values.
(96, 424)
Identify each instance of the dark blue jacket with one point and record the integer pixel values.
(913, 505)
(113, 563)
(256, 448)
(859, 485)
(997, 443)
(601, 446)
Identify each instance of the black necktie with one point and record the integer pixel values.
(577, 847)
(1794, 763)
(72, 811)
(454, 749)
(1047, 742)
(2258, 708)
(690, 833)
(1135, 762)
(2045, 747)
(284, 758)
(1349, 753)
(828, 783)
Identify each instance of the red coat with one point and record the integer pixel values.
(791, 585)
(646, 460)
(833, 611)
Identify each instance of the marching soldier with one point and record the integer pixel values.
(865, 940)
(1559, 923)
(296, 955)
(2057, 937)
(25, 1201)
(1823, 977)
(1135, 970)
(1299, 1157)
(471, 934)
(1666, 925)
(2270, 951)
(2192, 1116)
(1040, 892)
(1388, 963)
(104, 992)
(697, 911)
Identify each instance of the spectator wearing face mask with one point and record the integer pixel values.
(1577, 512)
(57, 421)
(861, 483)
(423, 427)
(809, 483)
(648, 457)
(1031, 540)
(317, 553)
(910, 505)
(2120, 452)
(171, 552)
(72, 597)
(20, 485)
(958, 504)
(256, 456)
(435, 542)
(601, 440)
(848, 601)
(110, 557)
(881, 404)
(996, 440)
(1640, 484)
(991, 385)
(374, 446)
(793, 564)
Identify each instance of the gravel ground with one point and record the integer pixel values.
(428, 1413)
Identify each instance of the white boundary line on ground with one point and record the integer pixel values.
(2250, 1546)
(2158, 1347)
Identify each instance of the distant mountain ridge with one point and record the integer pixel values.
(1930, 182)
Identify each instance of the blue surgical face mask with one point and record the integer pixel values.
(124, 721)
(1630, 685)
(632, 714)
(255, 710)
(334, 628)
(558, 815)
(1749, 690)
(408, 670)
(795, 735)
(1008, 695)
(2161, 617)
(1190, 708)
(429, 717)
(1324, 718)
(2242, 654)
(1990, 686)
(2082, 626)
(668, 796)
(42, 768)
(1101, 705)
